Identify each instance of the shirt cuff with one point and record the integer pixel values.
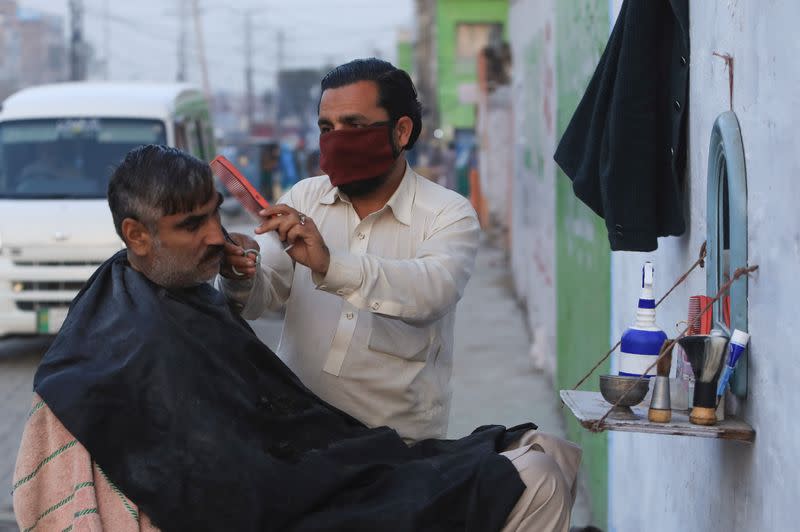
(344, 275)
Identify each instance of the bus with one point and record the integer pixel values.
(59, 144)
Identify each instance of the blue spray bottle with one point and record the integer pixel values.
(642, 342)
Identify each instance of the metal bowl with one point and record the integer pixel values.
(613, 387)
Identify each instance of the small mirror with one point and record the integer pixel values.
(727, 232)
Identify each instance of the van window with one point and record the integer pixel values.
(68, 158)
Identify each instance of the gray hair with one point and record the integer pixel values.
(154, 181)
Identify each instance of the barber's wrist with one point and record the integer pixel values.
(324, 263)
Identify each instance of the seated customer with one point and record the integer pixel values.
(157, 407)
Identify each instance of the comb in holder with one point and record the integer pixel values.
(699, 324)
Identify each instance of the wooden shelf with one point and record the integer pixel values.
(588, 407)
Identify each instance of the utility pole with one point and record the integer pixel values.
(183, 16)
(77, 49)
(278, 69)
(106, 41)
(201, 47)
(248, 68)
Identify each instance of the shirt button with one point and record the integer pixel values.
(361, 236)
(350, 315)
(683, 61)
(672, 152)
(677, 105)
(376, 306)
(340, 292)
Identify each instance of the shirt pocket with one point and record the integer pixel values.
(396, 338)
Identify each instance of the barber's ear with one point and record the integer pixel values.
(403, 131)
(137, 237)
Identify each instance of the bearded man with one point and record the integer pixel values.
(379, 259)
(157, 407)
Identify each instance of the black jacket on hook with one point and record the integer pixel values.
(625, 147)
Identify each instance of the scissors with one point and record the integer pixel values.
(255, 252)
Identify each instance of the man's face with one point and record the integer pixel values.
(349, 107)
(188, 247)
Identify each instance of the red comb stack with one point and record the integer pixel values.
(699, 324)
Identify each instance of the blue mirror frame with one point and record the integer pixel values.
(726, 166)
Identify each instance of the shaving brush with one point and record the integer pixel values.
(706, 354)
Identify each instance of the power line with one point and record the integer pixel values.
(164, 36)
(163, 33)
(299, 61)
(222, 47)
(128, 23)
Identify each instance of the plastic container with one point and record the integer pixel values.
(642, 342)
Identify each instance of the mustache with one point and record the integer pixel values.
(214, 252)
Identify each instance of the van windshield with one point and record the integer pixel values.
(69, 157)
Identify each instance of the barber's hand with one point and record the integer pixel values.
(301, 233)
(235, 258)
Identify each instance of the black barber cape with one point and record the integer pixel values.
(204, 428)
(625, 146)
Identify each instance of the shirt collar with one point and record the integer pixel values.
(402, 200)
(330, 195)
(400, 203)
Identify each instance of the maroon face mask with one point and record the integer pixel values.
(351, 155)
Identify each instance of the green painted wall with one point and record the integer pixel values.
(453, 71)
(536, 149)
(582, 250)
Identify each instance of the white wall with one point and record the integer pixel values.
(495, 128)
(533, 201)
(677, 483)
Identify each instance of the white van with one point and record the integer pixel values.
(58, 146)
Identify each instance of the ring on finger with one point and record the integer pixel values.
(257, 254)
(302, 219)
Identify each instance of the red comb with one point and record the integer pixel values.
(239, 187)
(700, 324)
(694, 315)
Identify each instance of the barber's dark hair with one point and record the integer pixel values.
(154, 181)
(396, 91)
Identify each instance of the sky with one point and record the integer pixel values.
(141, 37)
